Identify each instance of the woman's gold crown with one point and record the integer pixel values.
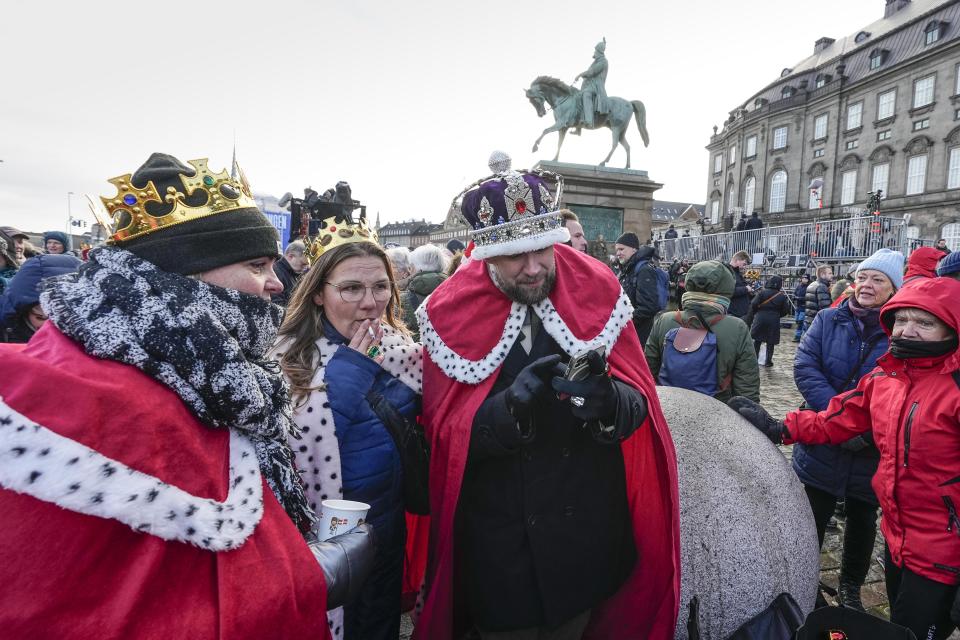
(335, 231)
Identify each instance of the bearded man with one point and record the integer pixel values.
(145, 473)
(554, 508)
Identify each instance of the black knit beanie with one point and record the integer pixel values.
(202, 244)
(629, 239)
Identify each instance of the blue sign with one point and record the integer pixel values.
(281, 222)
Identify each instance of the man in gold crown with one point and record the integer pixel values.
(145, 473)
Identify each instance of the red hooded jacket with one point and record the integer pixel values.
(913, 407)
(464, 329)
(922, 264)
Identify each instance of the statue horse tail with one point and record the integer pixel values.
(641, 113)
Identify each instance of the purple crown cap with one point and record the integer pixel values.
(505, 198)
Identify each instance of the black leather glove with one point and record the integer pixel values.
(599, 396)
(529, 385)
(955, 609)
(758, 417)
(346, 561)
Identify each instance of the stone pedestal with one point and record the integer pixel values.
(609, 201)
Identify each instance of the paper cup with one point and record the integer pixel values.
(339, 516)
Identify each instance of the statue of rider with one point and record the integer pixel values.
(593, 92)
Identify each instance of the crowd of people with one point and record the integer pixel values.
(189, 396)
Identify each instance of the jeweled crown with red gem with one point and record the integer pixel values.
(130, 219)
(337, 230)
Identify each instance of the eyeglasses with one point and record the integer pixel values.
(354, 291)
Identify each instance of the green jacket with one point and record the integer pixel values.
(419, 287)
(737, 370)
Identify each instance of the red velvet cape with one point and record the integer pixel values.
(468, 313)
(66, 574)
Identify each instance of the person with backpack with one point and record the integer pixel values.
(647, 286)
(842, 345)
(909, 405)
(766, 309)
(800, 306)
(702, 348)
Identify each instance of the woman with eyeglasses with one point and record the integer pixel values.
(342, 346)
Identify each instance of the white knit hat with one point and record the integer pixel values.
(887, 262)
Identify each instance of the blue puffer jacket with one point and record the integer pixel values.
(23, 289)
(830, 348)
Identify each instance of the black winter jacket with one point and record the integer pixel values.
(767, 308)
(740, 300)
(288, 277)
(638, 277)
(818, 298)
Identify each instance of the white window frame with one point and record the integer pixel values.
(956, 82)
(923, 93)
(854, 115)
(815, 195)
(731, 199)
(714, 211)
(951, 233)
(778, 191)
(820, 132)
(750, 148)
(749, 194)
(880, 178)
(916, 174)
(733, 155)
(848, 187)
(780, 136)
(892, 103)
(718, 163)
(876, 60)
(953, 168)
(932, 35)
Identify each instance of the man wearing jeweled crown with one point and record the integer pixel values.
(146, 482)
(553, 502)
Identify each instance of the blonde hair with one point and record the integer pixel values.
(303, 323)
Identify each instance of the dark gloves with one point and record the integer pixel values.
(758, 417)
(599, 398)
(955, 609)
(346, 561)
(529, 385)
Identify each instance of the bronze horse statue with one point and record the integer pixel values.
(564, 101)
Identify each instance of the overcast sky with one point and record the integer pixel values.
(404, 100)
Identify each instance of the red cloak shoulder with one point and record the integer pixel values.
(470, 322)
(70, 573)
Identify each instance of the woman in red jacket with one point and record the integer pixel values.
(911, 402)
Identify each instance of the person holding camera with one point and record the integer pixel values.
(548, 482)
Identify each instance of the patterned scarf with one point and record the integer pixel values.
(206, 343)
(712, 301)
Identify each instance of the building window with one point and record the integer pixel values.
(818, 153)
(848, 187)
(886, 104)
(821, 81)
(916, 175)
(733, 155)
(932, 32)
(718, 163)
(714, 211)
(953, 171)
(751, 147)
(786, 92)
(951, 233)
(854, 115)
(820, 127)
(863, 35)
(877, 58)
(780, 137)
(731, 200)
(749, 189)
(880, 178)
(913, 232)
(923, 91)
(815, 195)
(778, 192)
(852, 144)
(883, 135)
(921, 124)
(956, 83)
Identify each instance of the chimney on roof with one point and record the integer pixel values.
(893, 6)
(822, 44)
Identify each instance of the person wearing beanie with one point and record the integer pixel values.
(56, 242)
(922, 264)
(455, 245)
(949, 266)
(842, 345)
(155, 480)
(640, 279)
(15, 240)
(709, 286)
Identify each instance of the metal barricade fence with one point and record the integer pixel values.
(846, 240)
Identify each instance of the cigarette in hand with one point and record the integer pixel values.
(371, 333)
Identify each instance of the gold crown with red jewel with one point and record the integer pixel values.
(129, 217)
(336, 230)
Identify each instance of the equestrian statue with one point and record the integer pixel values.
(587, 107)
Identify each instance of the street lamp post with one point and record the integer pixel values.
(69, 214)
